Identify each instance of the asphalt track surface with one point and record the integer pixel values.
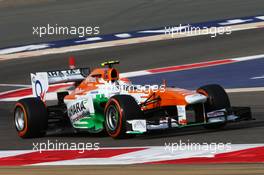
(17, 17)
(125, 16)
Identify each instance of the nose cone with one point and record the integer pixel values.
(177, 96)
(195, 98)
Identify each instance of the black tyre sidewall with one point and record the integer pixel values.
(37, 117)
(128, 110)
(115, 133)
(217, 97)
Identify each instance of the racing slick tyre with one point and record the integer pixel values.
(31, 118)
(118, 110)
(217, 99)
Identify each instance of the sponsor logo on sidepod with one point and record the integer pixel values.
(78, 110)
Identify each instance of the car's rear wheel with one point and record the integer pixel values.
(30, 117)
(118, 110)
(217, 99)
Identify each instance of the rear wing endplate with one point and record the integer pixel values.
(41, 80)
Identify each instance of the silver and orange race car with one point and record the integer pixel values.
(103, 102)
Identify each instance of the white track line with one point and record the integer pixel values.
(119, 42)
(247, 58)
(149, 154)
(237, 90)
(15, 85)
(152, 154)
(146, 72)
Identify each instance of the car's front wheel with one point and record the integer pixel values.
(118, 110)
(217, 99)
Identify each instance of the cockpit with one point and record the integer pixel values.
(107, 72)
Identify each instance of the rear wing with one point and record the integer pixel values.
(41, 80)
(70, 75)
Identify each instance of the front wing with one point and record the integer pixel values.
(234, 114)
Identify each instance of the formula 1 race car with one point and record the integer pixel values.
(102, 101)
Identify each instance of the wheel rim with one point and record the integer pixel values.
(112, 117)
(19, 119)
